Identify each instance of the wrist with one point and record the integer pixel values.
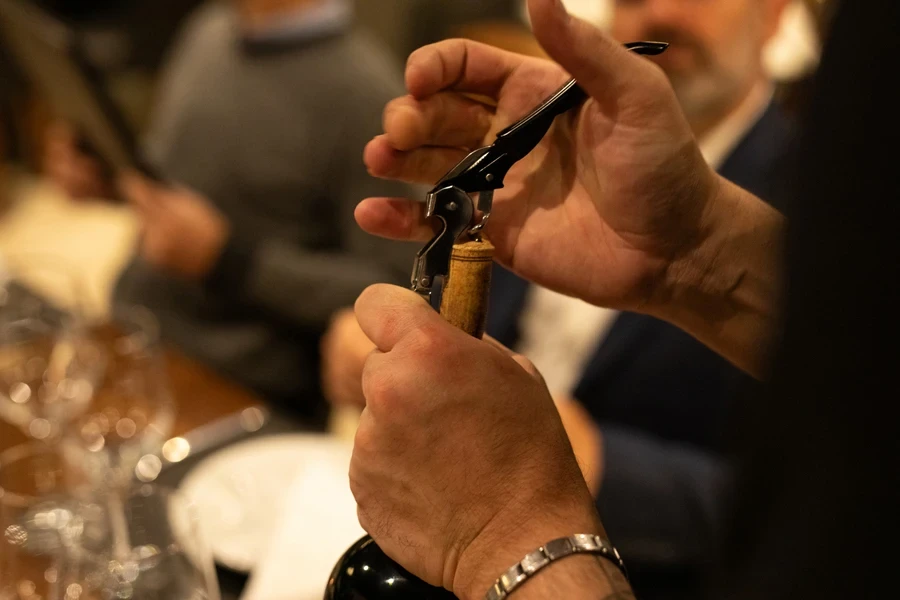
(725, 289)
(506, 541)
(693, 268)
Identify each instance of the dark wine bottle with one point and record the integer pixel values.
(365, 572)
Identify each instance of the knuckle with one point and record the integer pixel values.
(429, 340)
(421, 341)
(380, 390)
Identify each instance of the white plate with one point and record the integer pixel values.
(318, 527)
(240, 492)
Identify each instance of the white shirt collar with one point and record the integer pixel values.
(724, 137)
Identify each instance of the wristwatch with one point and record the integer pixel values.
(582, 543)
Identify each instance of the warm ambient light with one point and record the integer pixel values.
(176, 449)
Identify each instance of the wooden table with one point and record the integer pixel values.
(201, 395)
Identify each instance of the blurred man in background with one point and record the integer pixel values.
(127, 34)
(265, 107)
(652, 402)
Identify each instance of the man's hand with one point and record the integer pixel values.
(80, 176)
(617, 189)
(615, 206)
(344, 351)
(461, 464)
(182, 232)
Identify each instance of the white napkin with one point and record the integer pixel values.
(319, 523)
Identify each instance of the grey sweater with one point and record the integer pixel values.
(274, 137)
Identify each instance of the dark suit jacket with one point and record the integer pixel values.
(662, 400)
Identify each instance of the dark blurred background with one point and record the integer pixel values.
(129, 39)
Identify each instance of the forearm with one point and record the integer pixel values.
(727, 290)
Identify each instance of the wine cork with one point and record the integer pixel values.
(464, 302)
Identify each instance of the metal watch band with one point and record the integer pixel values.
(582, 543)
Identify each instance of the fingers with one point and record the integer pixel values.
(424, 165)
(394, 218)
(459, 65)
(388, 313)
(78, 174)
(342, 387)
(344, 351)
(445, 119)
(600, 71)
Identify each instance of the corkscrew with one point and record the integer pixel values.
(483, 171)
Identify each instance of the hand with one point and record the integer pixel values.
(617, 190)
(182, 232)
(345, 349)
(586, 440)
(461, 464)
(79, 175)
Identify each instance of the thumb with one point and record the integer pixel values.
(387, 314)
(602, 66)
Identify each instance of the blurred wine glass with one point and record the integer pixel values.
(39, 527)
(42, 551)
(119, 438)
(49, 362)
(132, 412)
(168, 557)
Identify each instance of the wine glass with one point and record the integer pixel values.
(132, 411)
(42, 551)
(49, 364)
(168, 556)
(122, 433)
(38, 527)
(47, 376)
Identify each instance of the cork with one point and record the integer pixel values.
(464, 303)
